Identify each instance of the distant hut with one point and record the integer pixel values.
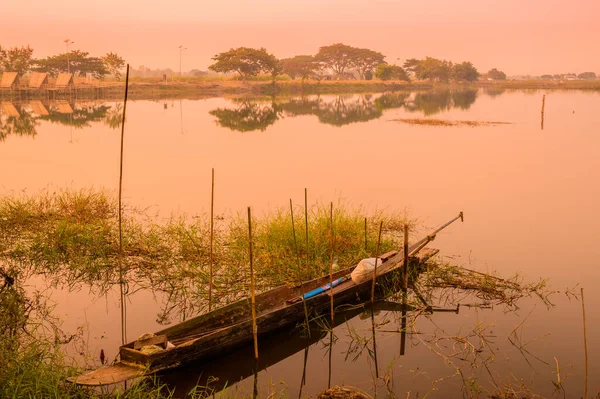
(38, 79)
(9, 80)
(64, 80)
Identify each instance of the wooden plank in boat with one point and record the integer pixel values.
(113, 374)
(388, 255)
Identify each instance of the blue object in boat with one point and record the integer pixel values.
(324, 288)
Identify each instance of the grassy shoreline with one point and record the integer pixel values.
(199, 88)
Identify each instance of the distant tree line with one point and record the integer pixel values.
(336, 61)
(568, 76)
(21, 60)
(341, 61)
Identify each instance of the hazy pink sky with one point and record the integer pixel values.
(519, 37)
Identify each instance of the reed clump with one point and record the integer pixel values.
(71, 238)
(446, 279)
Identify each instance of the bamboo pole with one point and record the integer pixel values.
(212, 236)
(331, 262)
(298, 256)
(405, 263)
(294, 233)
(306, 223)
(585, 347)
(365, 234)
(375, 269)
(252, 298)
(120, 258)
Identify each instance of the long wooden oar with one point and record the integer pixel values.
(430, 237)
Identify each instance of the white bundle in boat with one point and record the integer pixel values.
(364, 270)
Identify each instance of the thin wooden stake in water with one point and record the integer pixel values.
(294, 233)
(252, 299)
(405, 266)
(585, 347)
(212, 230)
(331, 262)
(543, 105)
(376, 257)
(365, 234)
(299, 266)
(120, 258)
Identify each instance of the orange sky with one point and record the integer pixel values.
(519, 37)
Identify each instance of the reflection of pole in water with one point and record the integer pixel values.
(71, 128)
(403, 325)
(543, 106)
(255, 389)
(303, 380)
(181, 115)
(330, 353)
(374, 341)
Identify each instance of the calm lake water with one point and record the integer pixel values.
(529, 196)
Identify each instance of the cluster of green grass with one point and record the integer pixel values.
(73, 239)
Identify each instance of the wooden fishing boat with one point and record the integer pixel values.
(230, 327)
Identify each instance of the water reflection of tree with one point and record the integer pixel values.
(248, 116)
(114, 116)
(252, 114)
(79, 118)
(23, 125)
(464, 99)
(301, 106)
(346, 109)
(434, 102)
(494, 91)
(391, 100)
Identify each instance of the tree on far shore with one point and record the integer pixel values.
(465, 72)
(337, 57)
(78, 62)
(114, 63)
(430, 68)
(391, 72)
(496, 74)
(16, 59)
(245, 61)
(302, 66)
(587, 75)
(366, 60)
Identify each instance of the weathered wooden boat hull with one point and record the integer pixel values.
(230, 327)
(239, 364)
